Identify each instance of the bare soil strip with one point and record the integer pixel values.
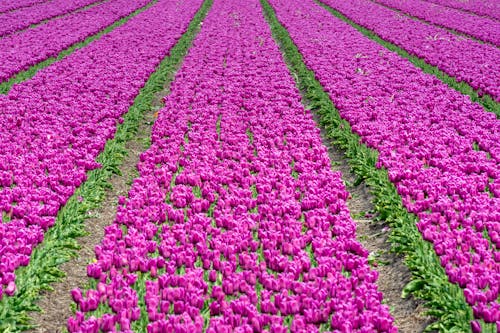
(56, 305)
(408, 313)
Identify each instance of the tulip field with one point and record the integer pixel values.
(234, 218)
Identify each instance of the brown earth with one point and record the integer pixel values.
(372, 234)
(409, 314)
(56, 305)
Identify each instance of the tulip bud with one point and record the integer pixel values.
(475, 326)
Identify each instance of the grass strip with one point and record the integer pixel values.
(443, 300)
(485, 100)
(30, 72)
(60, 243)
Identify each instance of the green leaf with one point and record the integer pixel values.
(411, 287)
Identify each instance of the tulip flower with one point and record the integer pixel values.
(246, 260)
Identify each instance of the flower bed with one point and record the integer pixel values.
(441, 150)
(21, 19)
(76, 105)
(236, 222)
(8, 5)
(464, 59)
(479, 7)
(482, 28)
(22, 50)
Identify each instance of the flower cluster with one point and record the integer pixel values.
(441, 150)
(236, 222)
(464, 59)
(55, 125)
(24, 17)
(482, 28)
(479, 7)
(21, 50)
(6, 6)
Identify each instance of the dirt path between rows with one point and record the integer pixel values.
(393, 274)
(55, 305)
(408, 313)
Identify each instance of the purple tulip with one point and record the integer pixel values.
(439, 148)
(35, 45)
(236, 259)
(475, 326)
(468, 24)
(24, 17)
(69, 107)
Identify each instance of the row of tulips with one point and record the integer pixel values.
(441, 151)
(482, 28)
(56, 124)
(7, 5)
(490, 8)
(464, 59)
(21, 19)
(22, 50)
(442, 299)
(236, 222)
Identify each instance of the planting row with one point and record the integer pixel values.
(441, 151)
(56, 124)
(462, 58)
(27, 48)
(482, 28)
(443, 300)
(7, 5)
(236, 222)
(21, 19)
(479, 7)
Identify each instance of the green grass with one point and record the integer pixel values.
(60, 243)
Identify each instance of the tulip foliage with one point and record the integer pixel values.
(466, 60)
(22, 50)
(440, 150)
(57, 123)
(236, 222)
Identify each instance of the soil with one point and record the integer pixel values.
(55, 305)
(409, 314)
